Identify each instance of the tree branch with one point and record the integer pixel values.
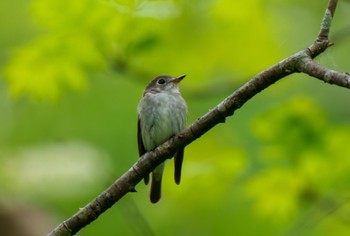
(299, 62)
(313, 69)
(327, 20)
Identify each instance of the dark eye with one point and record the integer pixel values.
(161, 81)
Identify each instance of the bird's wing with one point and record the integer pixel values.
(141, 146)
(178, 158)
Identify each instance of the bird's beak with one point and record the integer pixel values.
(178, 79)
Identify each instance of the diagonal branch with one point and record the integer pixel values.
(299, 62)
(313, 69)
(327, 20)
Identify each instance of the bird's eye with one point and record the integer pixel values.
(161, 81)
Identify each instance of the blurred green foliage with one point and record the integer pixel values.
(72, 73)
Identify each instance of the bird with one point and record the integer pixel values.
(162, 112)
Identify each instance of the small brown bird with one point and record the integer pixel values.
(162, 113)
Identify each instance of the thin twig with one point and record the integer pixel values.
(327, 20)
(313, 69)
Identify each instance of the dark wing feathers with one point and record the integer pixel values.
(141, 147)
(178, 158)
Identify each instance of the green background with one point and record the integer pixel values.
(71, 76)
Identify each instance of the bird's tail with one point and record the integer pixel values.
(155, 192)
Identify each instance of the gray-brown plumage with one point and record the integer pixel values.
(162, 113)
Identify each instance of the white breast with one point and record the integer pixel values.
(162, 115)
